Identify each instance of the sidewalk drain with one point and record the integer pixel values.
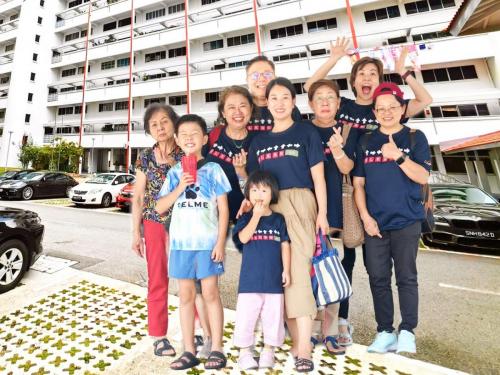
(83, 329)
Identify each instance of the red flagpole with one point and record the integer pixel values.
(257, 29)
(131, 62)
(85, 68)
(188, 92)
(351, 25)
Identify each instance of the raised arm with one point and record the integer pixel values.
(337, 51)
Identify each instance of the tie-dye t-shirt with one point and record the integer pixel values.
(194, 224)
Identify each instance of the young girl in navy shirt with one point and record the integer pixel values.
(339, 153)
(366, 74)
(393, 163)
(293, 153)
(265, 271)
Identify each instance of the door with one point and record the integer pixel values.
(45, 187)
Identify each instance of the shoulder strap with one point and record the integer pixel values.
(346, 128)
(214, 135)
(201, 163)
(413, 138)
(364, 141)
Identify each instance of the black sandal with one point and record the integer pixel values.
(187, 360)
(306, 365)
(160, 351)
(217, 357)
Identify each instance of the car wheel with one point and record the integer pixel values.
(27, 193)
(106, 200)
(14, 260)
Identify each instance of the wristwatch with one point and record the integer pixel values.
(401, 159)
(406, 74)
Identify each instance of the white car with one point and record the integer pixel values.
(101, 189)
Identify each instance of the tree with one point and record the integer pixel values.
(62, 155)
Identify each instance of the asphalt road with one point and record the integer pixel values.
(459, 293)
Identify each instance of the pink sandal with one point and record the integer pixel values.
(266, 359)
(247, 362)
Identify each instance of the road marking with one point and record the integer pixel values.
(460, 253)
(481, 291)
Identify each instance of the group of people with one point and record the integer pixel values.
(278, 179)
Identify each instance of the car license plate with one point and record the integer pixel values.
(479, 234)
(77, 198)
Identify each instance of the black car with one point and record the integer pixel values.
(21, 234)
(15, 175)
(38, 184)
(465, 216)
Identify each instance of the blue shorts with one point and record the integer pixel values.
(197, 264)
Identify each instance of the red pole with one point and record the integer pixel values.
(351, 25)
(85, 68)
(188, 92)
(257, 29)
(131, 62)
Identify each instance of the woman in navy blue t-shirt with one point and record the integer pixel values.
(293, 153)
(392, 164)
(231, 147)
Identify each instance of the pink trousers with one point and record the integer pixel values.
(156, 239)
(270, 308)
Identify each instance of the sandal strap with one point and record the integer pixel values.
(216, 356)
(166, 346)
(304, 363)
(185, 358)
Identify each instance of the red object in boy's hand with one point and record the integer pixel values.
(189, 165)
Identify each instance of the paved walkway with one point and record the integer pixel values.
(74, 322)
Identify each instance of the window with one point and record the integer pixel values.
(124, 22)
(342, 82)
(382, 13)
(237, 64)
(37, 38)
(427, 5)
(395, 78)
(176, 8)
(284, 32)
(65, 111)
(72, 36)
(322, 25)
(10, 47)
(122, 81)
(177, 100)
(121, 106)
(206, 2)
(432, 35)
(123, 62)
(30, 97)
(83, 33)
(4, 80)
(155, 14)
(105, 107)
(241, 39)
(80, 69)
(176, 52)
(290, 56)
(299, 88)
(42, 3)
(398, 40)
(32, 77)
(449, 74)
(68, 72)
(160, 100)
(219, 67)
(108, 65)
(460, 110)
(318, 52)
(109, 26)
(27, 118)
(212, 96)
(214, 44)
(155, 56)
(35, 56)
(78, 109)
(40, 19)
(156, 76)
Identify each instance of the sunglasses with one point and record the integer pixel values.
(256, 75)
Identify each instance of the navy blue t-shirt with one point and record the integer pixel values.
(392, 199)
(288, 155)
(333, 177)
(263, 121)
(222, 152)
(262, 265)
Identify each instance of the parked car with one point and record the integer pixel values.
(465, 215)
(21, 234)
(38, 184)
(101, 189)
(124, 198)
(15, 175)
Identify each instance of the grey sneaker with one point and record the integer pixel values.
(206, 348)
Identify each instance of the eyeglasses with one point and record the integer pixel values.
(321, 99)
(256, 75)
(392, 108)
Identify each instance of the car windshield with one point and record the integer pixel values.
(8, 174)
(102, 179)
(468, 195)
(33, 176)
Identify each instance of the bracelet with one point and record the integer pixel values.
(339, 157)
(406, 74)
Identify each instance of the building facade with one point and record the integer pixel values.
(85, 70)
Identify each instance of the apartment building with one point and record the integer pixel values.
(61, 58)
